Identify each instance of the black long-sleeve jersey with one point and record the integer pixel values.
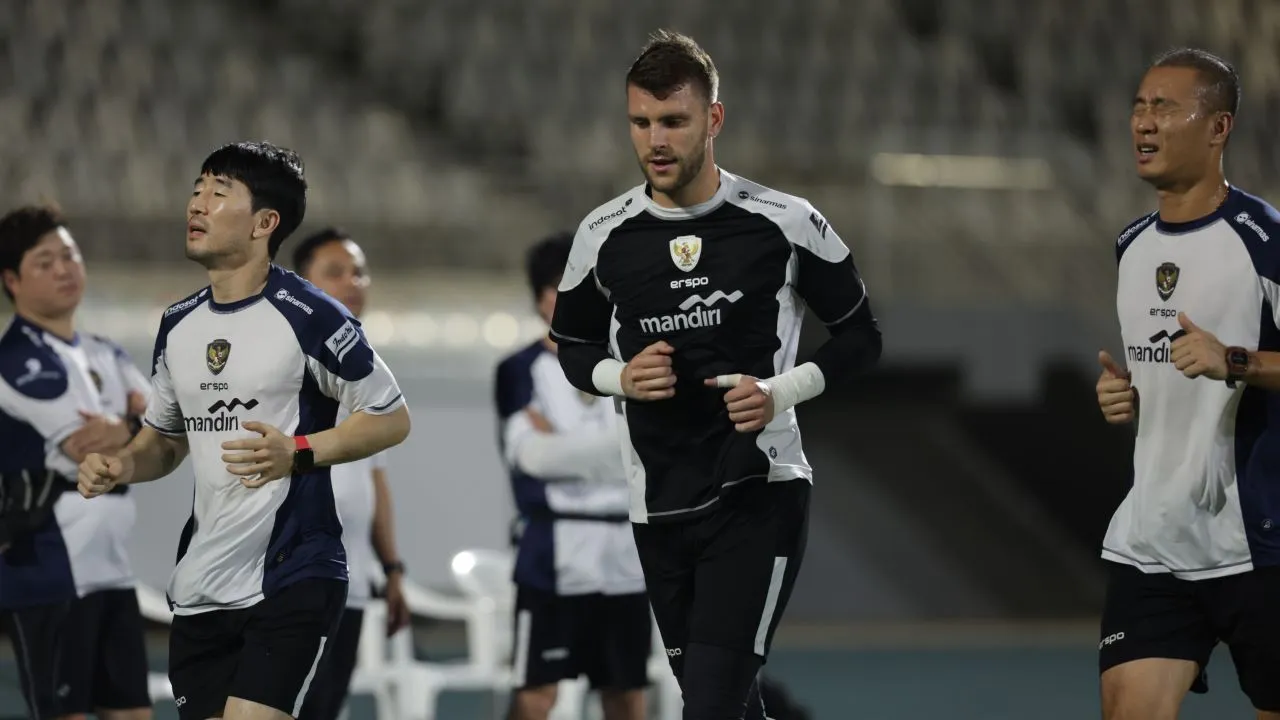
(725, 283)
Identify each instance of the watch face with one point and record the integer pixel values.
(1239, 357)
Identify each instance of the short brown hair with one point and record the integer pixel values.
(671, 60)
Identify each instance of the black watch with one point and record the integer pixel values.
(1237, 365)
(304, 458)
(394, 567)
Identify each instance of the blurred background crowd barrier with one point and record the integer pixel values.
(975, 154)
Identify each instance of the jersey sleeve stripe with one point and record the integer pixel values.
(852, 310)
(162, 431)
(386, 406)
(571, 339)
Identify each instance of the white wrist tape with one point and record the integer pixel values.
(801, 383)
(788, 389)
(607, 376)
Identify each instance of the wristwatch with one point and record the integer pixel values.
(1237, 365)
(393, 567)
(304, 458)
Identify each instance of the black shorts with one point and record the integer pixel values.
(1160, 616)
(268, 653)
(608, 638)
(81, 655)
(333, 680)
(724, 578)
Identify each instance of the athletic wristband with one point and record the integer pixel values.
(800, 383)
(607, 376)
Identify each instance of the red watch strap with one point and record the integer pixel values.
(301, 443)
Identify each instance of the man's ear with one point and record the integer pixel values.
(1223, 124)
(265, 222)
(11, 281)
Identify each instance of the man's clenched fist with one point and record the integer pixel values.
(1117, 398)
(649, 375)
(100, 473)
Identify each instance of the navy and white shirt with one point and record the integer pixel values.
(45, 383)
(575, 538)
(1205, 500)
(289, 357)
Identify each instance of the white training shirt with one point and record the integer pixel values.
(289, 357)
(353, 492)
(576, 538)
(1205, 500)
(45, 383)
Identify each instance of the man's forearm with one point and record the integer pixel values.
(153, 455)
(384, 533)
(850, 350)
(582, 364)
(1264, 370)
(359, 436)
(555, 457)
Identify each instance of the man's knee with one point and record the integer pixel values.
(142, 713)
(717, 682)
(1147, 689)
(241, 709)
(623, 704)
(533, 703)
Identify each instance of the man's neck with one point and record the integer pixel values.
(63, 327)
(233, 285)
(1193, 202)
(701, 189)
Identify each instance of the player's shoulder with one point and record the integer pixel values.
(315, 316)
(182, 309)
(28, 364)
(1253, 218)
(513, 379)
(108, 345)
(798, 219)
(302, 303)
(607, 217)
(520, 362)
(1131, 232)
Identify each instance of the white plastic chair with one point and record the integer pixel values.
(153, 606)
(370, 676)
(409, 689)
(485, 577)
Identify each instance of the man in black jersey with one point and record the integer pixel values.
(682, 299)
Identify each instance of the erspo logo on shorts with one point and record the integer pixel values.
(674, 652)
(1114, 638)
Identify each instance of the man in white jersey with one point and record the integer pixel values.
(1193, 551)
(333, 262)
(581, 607)
(66, 584)
(249, 375)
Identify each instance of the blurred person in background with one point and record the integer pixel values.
(249, 375)
(1193, 554)
(333, 262)
(682, 298)
(581, 607)
(66, 583)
